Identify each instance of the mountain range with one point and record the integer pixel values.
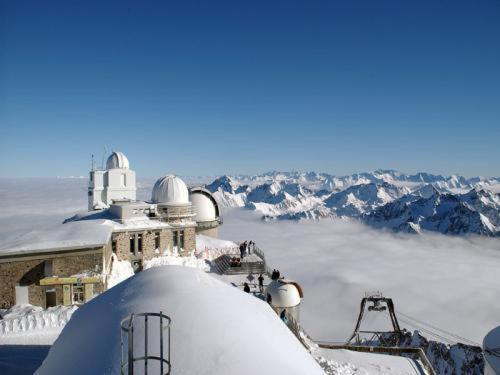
(383, 199)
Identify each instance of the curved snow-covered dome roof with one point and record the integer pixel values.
(117, 160)
(284, 293)
(204, 205)
(170, 189)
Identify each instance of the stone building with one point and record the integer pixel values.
(70, 263)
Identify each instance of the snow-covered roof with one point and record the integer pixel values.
(68, 236)
(216, 329)
(284, 293)
(117, 160)
(204, 207)
(170, 189)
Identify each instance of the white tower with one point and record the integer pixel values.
(116, 182)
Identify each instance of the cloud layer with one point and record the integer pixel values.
(450, 282)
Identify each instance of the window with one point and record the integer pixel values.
(78, 293)
(123, 179)
(178, 239)
(132, 244)
(139, 243)
(157, 240)
(47, 268)
(175, 240)
(113, 245)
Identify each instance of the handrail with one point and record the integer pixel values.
(127, 327)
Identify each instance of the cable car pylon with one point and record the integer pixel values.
(379, 303)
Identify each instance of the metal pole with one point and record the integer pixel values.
(146, 345)
(131, 346)
(161, 343)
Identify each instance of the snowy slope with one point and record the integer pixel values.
(216, 329)
(384, 198)
(477, 211)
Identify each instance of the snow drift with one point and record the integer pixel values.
(216, 329)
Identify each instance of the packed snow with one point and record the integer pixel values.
(61, 236)
(176, 260)
(120, 270)
(32, 325)
(216, 329)
(210, 248)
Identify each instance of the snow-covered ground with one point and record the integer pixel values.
(449, 282)
(32, 325)
(216, 329)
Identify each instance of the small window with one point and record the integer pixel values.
(175, 239)
(78, 294)
(157, 240)
(139, 243)
(113, 245)
(132, 244)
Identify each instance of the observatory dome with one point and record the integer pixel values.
(170, 189)
(204, 206)
(117, 160)
(284, 293)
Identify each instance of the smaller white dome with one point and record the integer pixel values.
(117, 160)
(284, 293)
(204, 207)
(170, 189)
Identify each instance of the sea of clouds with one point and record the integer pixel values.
(450, 282)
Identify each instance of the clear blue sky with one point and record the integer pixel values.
(244, 87)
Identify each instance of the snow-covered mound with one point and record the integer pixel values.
(384, 198)
(32, 325)
(210, 248)
(120, 270)
(176, 260)
(216, 329)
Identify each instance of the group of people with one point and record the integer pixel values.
(246, 248)
(275, 275)
(246, 286)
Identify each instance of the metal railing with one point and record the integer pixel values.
(128, 359)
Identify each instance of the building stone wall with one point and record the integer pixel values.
(26, 271)
(72, 265)
(122, 245)
(189, 240)
(11, 273)
(148, 245)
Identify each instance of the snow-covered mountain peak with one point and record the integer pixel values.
(383, 198)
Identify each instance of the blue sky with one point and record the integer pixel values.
(204, 88)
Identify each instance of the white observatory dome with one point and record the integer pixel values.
(284, 293)
(170, 189)
(117, 160)
(204, 207)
